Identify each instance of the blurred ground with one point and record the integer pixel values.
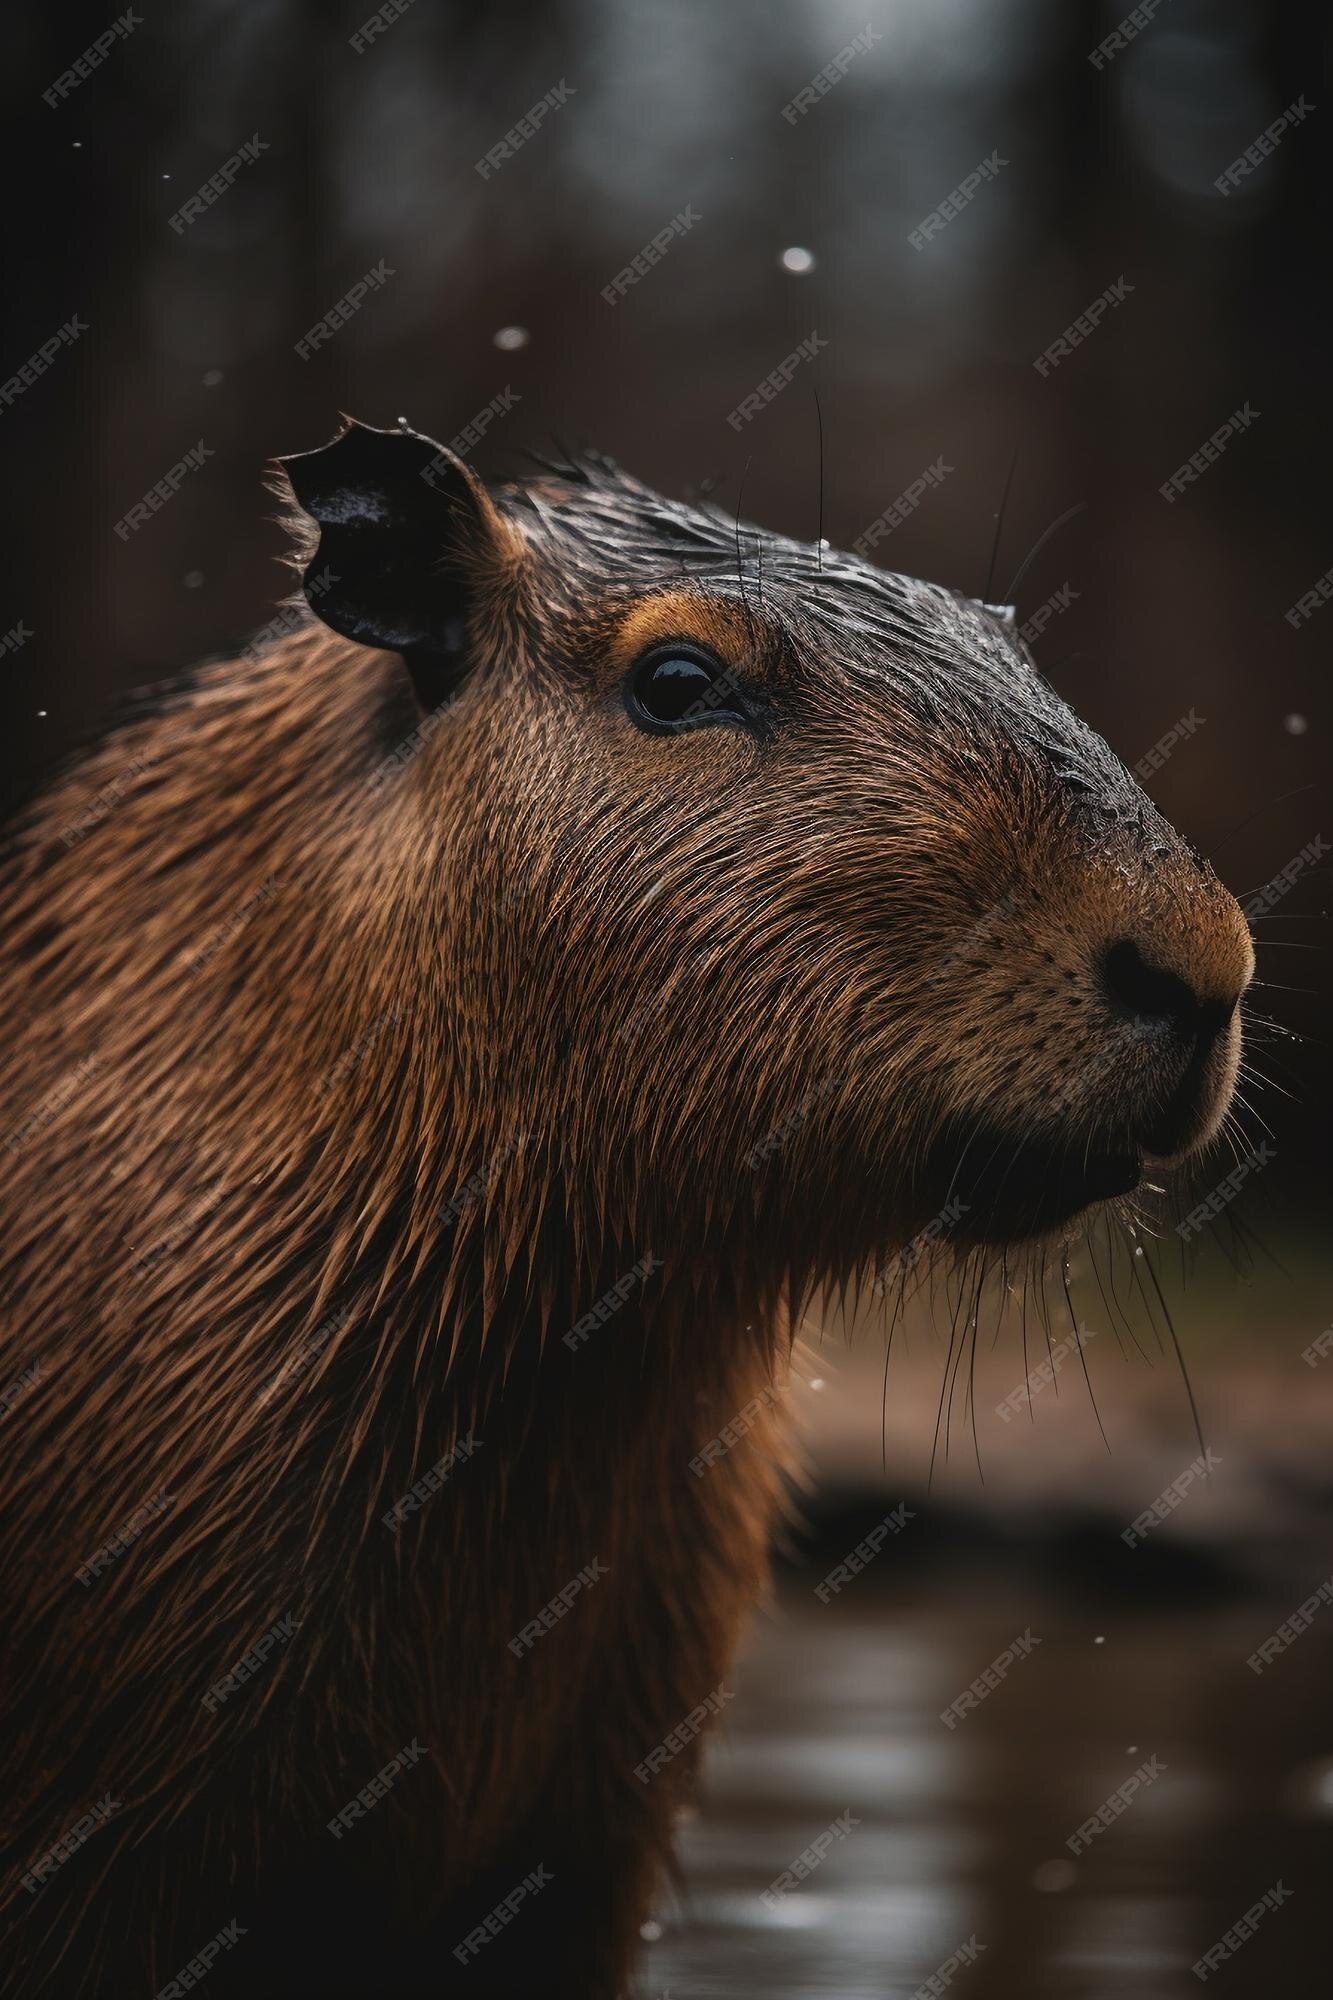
(1125, 1654)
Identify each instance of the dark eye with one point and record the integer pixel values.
(677, 687)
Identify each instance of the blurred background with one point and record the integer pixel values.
(805, 158)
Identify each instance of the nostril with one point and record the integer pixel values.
(1151, 993)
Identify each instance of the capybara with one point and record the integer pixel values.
(446, 1049)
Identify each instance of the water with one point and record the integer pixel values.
(956, 1839)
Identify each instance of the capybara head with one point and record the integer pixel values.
(783, 892)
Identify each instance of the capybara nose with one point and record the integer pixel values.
(1151, 993)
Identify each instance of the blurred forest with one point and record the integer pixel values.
(490, 295)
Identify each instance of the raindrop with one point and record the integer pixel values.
(41, 712)
(651, 1931)
(213, 377)
(1295, 725)
(510, 338)
(799, 262)
(1100, 1640)
(193, 578)
(816, 1381)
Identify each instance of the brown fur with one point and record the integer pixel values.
(596, 968)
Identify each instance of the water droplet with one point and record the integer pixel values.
(816, 1381)
(193, 578)
(1051, 1876)
(77, 144)
(1132, 1750)
(1138, 1249)
(509, 338)
(41, 711)
(1295, 725)
(651, 1931)
(166, 177)
(824, 542)
(213, 377)
(1100, 1640)
(797, 261)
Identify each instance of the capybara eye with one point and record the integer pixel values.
(673, 688)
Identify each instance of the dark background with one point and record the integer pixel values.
(1109, 174)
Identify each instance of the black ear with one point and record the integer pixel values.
(405, 527)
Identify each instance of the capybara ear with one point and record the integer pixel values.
(405, 532)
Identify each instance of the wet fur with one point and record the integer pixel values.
(608, 963)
